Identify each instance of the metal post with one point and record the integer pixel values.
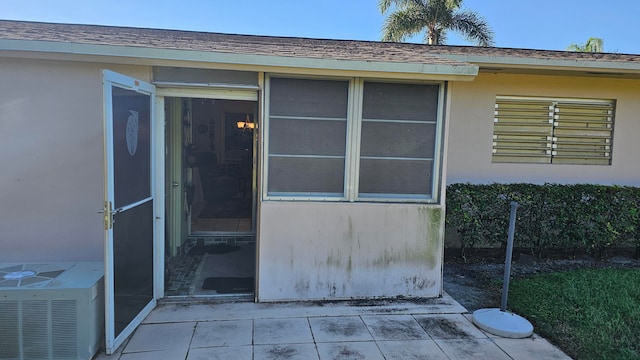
(507, 263)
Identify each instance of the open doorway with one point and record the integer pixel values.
(212, 196)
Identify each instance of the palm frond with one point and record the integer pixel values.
(384, 5)
(473, 27)
(594, 44)
(453, 4)
(411, 17)
(402, 24)
(575, 47)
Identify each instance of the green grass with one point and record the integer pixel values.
(589, 314)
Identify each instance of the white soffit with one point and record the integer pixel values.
(155, 56)
(512, 62)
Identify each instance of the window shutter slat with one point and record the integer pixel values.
(578, 131)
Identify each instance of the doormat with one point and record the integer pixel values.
(213, 249)
(229, 285)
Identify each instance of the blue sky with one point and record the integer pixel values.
(535, 24)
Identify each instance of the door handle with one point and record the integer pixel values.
(108, 215)
(109, 218)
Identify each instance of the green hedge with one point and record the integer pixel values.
(562, 218)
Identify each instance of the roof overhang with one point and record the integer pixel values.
(559, 67)
(67, 51)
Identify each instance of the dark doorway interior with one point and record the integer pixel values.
(221, 163)
(217, 240)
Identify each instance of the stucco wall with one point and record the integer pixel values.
(51, 160)
(471, 127)
(349, 250)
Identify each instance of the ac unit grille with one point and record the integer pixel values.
(60, 318)
(64, 330)
(9, 330)
(34, 332)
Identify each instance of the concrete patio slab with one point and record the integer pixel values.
(394, 327)
(411, 350)
(190, 310)
(149, 355)
(219, 353)
(472, 349)
(285, 351)
(338, 329)
(532, 348)
(349, 351)
(376, 329)
(449, 326)
(170, 336)
(223, 333)
(281, 331)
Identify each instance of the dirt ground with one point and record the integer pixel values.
(477, 283)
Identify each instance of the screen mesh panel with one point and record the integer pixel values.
(312, 98)
(307, 137)
(400, 101)
(395, 139)
(306, 175)
(380, 176)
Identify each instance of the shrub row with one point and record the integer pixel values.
(561, 218)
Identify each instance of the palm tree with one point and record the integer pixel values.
(594, 44)
(411, 17)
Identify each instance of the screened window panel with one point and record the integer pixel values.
(392, 177)
(400, 101)
(308, 98)
(289, 175)
(308, 150)
(397, 139)
(307, 137)
(572, 131)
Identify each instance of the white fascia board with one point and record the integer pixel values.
(441, 71)
(552, 64)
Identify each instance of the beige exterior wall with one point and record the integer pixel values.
(51, 160)
(471, 127)
(349, 250)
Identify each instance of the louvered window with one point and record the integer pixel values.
(553, 131)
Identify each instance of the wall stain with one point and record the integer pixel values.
(332, 289)
(302, 287)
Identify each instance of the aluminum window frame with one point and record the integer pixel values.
(353, 145)
(298, 196)
(437, 148)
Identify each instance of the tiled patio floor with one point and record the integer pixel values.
(426, 329)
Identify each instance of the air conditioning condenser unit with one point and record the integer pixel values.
(51, 310)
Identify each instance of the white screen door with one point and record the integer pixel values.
(129, 205)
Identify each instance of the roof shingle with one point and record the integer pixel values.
(287, 46)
